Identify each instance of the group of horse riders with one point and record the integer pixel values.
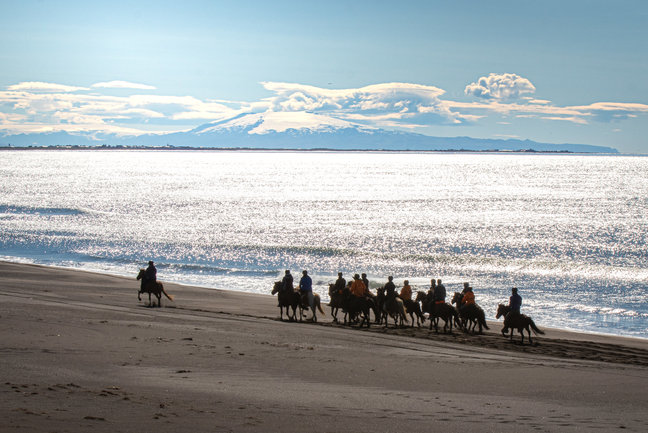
(435, 298)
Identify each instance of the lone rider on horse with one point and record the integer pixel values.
(150, 275)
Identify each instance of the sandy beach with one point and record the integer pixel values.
(81, 353)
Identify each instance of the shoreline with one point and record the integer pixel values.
(80, 352)
(570, 333)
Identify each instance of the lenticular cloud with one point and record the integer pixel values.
(500, 86)
(396, 101)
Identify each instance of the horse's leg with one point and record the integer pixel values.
(159, 296)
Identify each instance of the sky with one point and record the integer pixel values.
(568, 71)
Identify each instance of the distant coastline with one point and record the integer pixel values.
(255, 149)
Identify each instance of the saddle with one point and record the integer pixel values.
(304, 301)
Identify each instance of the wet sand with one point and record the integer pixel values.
(80, 353)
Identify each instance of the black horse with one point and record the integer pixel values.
(354, 306)
(518, 321)
(471, 315)
(446, 312)
(288, 299)
(413, 308)
(152, 287)
(336, 303)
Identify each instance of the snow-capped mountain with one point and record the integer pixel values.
(290, 130)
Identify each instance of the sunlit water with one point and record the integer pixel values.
(569, 230)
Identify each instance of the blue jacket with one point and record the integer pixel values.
(306, 284)
(515, 302)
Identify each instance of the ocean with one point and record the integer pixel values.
(568, 230)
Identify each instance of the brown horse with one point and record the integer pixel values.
(471, 316)
(516, 321)
(395, 309)
(152, 287)
(304, 306)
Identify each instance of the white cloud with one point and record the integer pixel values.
(409, 103)
(117, 84)
(500, 87)
(39, 86)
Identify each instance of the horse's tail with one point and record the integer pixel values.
(319, 307)
(482, 320)
(536, 330)
(165, 293)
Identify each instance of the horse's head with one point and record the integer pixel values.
(501, 311)
(420, 296)
(141, 274)
(457, 298)
(276, 287)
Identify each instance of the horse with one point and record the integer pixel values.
(304, 306)
(471, 316)
(287, 299)
(516, 321)
(395, 309)
(413, 308)
(337, 300)
(443, 311)
(151, 287)
(353, 306)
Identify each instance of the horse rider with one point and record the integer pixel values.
(367, 292)
(306, 289)
(430, 293)
(406, 295)
(150, 275)
(365, 281)
(465, 288)
(390, 293)
(440, 286)
(468, 298)
(286, 283)
(338, 288)
(357, 287)
(515, 302)
(439, 293)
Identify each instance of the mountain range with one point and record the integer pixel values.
(290, 130)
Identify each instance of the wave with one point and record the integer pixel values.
(28, 210)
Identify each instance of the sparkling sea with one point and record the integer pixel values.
(570, 231)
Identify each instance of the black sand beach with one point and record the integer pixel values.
(80, 353)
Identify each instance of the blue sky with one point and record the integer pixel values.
(551, 71)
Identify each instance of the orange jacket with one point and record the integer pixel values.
(406, 293)
(358, 288)
(469, 298)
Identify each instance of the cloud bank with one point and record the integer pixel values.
(40, 106)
